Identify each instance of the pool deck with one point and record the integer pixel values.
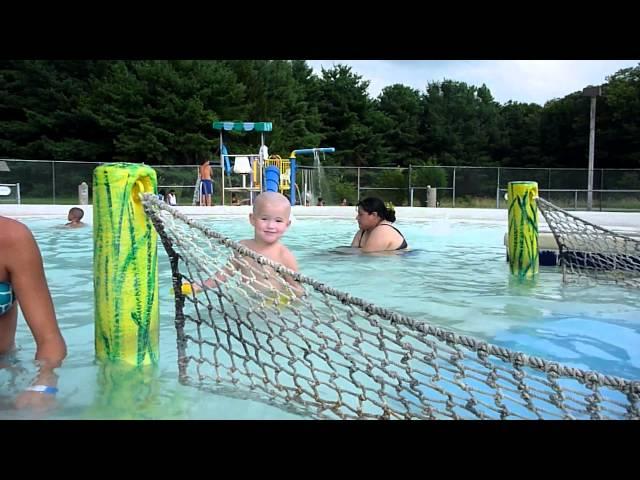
(623, 222)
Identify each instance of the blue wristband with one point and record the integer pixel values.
(43, 389)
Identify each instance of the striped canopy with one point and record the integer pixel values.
(243, 126)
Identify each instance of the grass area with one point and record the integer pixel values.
(49, 200)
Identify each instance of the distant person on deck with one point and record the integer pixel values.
(171, 198)
(206, 183)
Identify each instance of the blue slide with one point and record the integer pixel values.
(272, 178)
(225, 156)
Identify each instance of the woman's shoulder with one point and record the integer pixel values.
(385, 223)
(13, 231)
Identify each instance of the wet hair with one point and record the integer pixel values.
(77, 213)
(374, 204)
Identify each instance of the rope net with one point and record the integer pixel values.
(250, 328)
(588, 251)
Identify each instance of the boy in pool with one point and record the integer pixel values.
(270, 220)
(75, 218)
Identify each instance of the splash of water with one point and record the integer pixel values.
(320, 184)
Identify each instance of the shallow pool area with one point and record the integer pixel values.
(455, 276)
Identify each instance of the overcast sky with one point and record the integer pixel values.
(529, 81)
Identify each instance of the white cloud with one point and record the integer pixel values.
(528, 81)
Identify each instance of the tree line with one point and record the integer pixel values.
(161, 111)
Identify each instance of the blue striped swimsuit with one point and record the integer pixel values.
(7, 297)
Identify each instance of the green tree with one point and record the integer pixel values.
(618, 120)
(520, 140)
(460, 123)
(40, 116)
(345, 108)
(162, 111)
(402, 108)
(564, 132)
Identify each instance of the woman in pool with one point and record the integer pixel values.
(376, 232)
(22, 279)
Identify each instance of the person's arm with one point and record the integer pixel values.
(356, 238)
(30, 286)
(226, 272)
(289, 261)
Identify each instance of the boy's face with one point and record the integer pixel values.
(270, 221)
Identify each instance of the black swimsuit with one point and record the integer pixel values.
(401, 247)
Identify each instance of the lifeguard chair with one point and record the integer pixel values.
(242, 165)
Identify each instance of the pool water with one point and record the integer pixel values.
(455, 276)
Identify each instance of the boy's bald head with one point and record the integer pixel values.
(271, 200)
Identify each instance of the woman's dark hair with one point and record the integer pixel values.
(374, 204)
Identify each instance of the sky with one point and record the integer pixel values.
(526, 81)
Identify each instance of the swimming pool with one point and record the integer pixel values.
(455, 277)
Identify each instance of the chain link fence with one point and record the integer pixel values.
(56, 182)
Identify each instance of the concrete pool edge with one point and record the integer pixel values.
(624, 221)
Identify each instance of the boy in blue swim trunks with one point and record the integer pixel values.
(206, 183)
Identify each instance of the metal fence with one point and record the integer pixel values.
(56, 182)
(481, 187)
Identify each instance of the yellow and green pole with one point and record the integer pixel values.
(524, 257)
(125, 265)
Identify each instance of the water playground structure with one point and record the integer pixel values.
(262, 172)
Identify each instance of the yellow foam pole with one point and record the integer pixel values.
(524, 257)
(125, 265)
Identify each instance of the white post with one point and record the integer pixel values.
(498, 190)
(454, 186)
(591, 92)
(592, 142)
(83, 194)
(431, 197)
(53, 179)
(221, 174)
